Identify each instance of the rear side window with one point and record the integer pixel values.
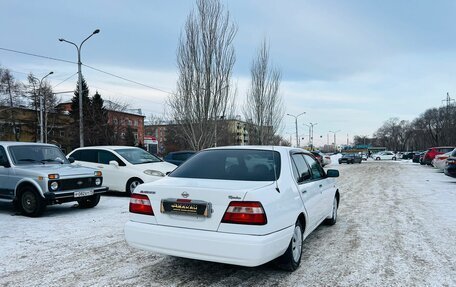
(3, 158)
(235, 164)
(88, 155)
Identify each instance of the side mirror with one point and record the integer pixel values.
(71, 159)
(114, 163)
(332, 173)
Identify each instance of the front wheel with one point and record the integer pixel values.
(291, 259)
(89, 202)
(377, 158)
(31, 203)
(132, 184)
(394, 158)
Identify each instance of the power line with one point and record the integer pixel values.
(65, 80)
(90, 67)
(125, 79)
(36, 55)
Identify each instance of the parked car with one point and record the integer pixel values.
(124, 167)
(35, 175)
(440, 160)
(319, 156)
(433, 151)
(178, 157)
(242, 205)
(408, 155)
(326, 159)
(350, 158)
(364, 156)
(450, 165)
(417, 157)
(385, 155)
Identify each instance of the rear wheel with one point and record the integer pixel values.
(394, 158)
(89, 201)
(377, 158)
(333, 219)
(291, 259)
(132, 184)
(31, 203)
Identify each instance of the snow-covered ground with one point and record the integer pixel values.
(396, 227)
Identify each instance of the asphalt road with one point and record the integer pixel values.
(396, 227)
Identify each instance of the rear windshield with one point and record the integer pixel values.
(446, 149)
(235, 164)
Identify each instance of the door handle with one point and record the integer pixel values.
(320, 186)
(304, 191)
(99, 166)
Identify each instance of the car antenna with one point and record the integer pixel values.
(274, 167)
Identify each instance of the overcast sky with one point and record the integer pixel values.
(350, 65)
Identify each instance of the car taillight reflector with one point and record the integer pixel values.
(140, 203)
(245, 212)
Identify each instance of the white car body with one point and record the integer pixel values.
(440, 160)
(120, 174)
(385, 155)
(284, 203)
(326, 159)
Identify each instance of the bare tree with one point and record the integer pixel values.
(264, 107)
(11, 95)
(205, 58)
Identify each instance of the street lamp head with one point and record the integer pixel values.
(50, 73)
(61, 40)
(96, 31)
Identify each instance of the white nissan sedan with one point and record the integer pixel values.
(236, 205)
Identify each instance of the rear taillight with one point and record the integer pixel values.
(140, 203)
(245, 212)
(450, 161)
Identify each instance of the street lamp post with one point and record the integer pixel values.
(335, 132)
(312, 134)
(296, 125)
(40, 98)
(81, 114)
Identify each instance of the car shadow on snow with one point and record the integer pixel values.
(175, 270)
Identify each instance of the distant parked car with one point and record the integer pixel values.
(385, 155)
(326, 159)
(416, 157)
(440, 160)
(408, 155)
(364, 156)
(36, 175)
(124, 167)
(350, 158)
(236, 205)
(178, 157)
(450, 165)
(433, 151)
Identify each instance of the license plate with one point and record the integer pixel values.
(83, 193)
(193, 207)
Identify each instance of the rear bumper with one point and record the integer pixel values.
(450, 170)
(237, 249)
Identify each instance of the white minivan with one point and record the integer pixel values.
(123, 167)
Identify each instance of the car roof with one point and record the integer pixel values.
(108, 147)
(262, 147)
(13, 143)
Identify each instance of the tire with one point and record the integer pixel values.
(291, 259)
(30, 202)
(89, 201)
(394, 158)
(377, 158)
(132, 184)
(333, 219)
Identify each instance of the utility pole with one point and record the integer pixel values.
(81, 114)
(335, 144)
(312, 134)
(296, 126)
